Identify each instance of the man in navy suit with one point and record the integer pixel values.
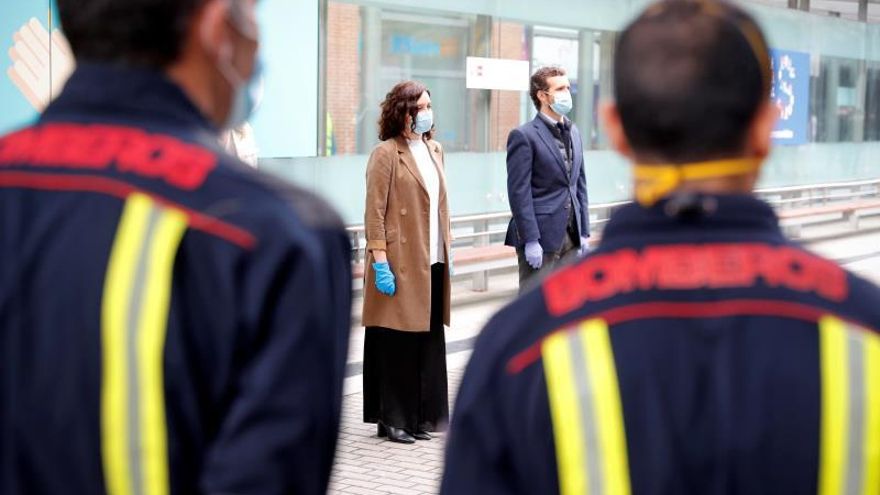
(546, 184)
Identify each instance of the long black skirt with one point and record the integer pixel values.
(405, 384)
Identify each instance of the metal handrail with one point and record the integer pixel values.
(473, 235)
(827, 185)
(615, 204)
(486, 218)
(788, 201)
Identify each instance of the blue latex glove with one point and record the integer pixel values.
(534, 254)
(585, 246)
(384, 278)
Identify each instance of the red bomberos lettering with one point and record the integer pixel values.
(95, 147)
(693, 266)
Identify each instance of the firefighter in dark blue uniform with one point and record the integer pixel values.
(697, 351)
(171, 321)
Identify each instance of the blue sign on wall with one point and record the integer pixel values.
(407, 45)
(790, 93)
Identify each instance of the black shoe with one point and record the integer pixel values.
(422, 435)
(398, 435)
(381, 432)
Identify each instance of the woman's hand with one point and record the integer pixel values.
(380, 256)
(384, 278)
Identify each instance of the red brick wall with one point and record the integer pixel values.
(508, 41)
(343, 73)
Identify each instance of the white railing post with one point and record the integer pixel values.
(480, 280)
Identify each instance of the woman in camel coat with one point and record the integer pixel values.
(406, 286)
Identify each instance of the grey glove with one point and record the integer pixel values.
(534, 254)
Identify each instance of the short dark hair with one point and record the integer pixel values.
(402, 100)
(132, 32)
(689, 79)
(538, 82)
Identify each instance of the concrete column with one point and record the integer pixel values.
(793, 4)
(371, 65)
(863, 10)
(585, 77)
(480, 115)
(322, 78)
(805, 5)
(861, 101)
(832, 83)
(607, 41)
(528, 111)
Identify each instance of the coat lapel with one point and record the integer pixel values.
(409, 162)
(550, 141)
(437, 156)
(577, 151)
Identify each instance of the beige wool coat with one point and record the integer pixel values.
(396, 220)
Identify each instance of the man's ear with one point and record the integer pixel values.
(610, 118)
(213, 27)
(760, 136)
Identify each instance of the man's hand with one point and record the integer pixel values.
(534, 254)
(41, 64)
(585, 246)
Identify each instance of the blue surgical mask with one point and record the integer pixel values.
(246, 99)
(246, 92)
(424, 122)
(561, 102)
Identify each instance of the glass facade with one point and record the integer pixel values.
(329, 64)
(839, 102)
(370, 45)
(872, 102)
(391, 44)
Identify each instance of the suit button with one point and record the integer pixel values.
(403, 240)
(567, 205)
(403, 211)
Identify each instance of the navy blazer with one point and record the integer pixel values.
(539, 188)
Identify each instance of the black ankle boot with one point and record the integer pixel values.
(398, 435)
(422, 435)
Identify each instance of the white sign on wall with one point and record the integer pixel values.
(497, 73)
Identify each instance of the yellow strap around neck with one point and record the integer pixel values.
(653, 182)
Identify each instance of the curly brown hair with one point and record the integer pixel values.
(402, 100)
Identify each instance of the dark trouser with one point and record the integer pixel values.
(528, 276)
(405, 383)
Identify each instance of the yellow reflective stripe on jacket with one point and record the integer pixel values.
(849, 460)
(134, 317)
(585, 407)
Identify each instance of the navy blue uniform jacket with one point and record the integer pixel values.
(171, 321)
(540, 189)
(723, 373)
